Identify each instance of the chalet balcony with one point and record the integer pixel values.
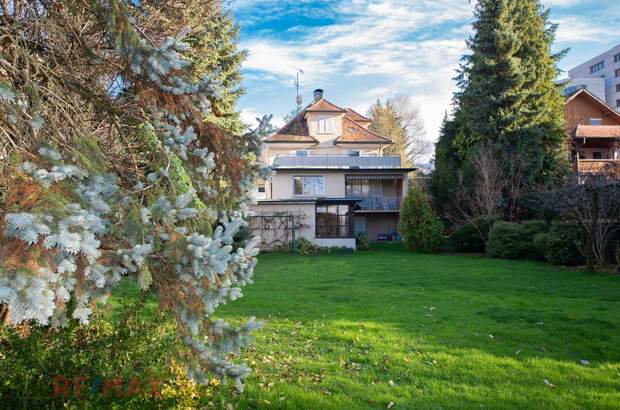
(379, 203)
(598, 166)
(336, 162)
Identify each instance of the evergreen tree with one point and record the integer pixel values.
(508, 96)
(443, 182)
(421, 231)
(212, 37)
(146, 182)
(507, 100)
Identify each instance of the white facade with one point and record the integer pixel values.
(596, 86)
(329, 170)
(605, 67)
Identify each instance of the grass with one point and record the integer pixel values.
(387, 328)
(379, 329)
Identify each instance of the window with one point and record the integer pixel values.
(618, 103)
(618, 88)
(333, 221)
(597, 155)
(596, 121)
(261, 187)
(618, 73)
(309, 186)
(302, 153)
(354, 153)
(572, 88)
(358, 188)
(617, 58)
(597, 67)
(325, 124)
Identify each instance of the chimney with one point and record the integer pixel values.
(318, 94)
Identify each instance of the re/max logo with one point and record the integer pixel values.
(79, 386)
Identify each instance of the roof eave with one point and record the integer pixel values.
(364, 142)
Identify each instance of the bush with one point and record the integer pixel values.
(421, 231)
(532, 229)
(361, 242)
(510, 240)
(472, 236)
(560, 245)
(134, 343)
(305, 247)
(507, 240)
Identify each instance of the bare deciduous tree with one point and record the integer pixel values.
(593, 203)
(482, 199)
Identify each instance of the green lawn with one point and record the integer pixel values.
(428, 331)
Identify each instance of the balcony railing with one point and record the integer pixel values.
(335, 161)
(598, 166)
(379, 203)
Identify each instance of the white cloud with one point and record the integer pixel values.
(573, 29)
(384, 39)
(362, 50)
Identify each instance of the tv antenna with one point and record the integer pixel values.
(299, 99)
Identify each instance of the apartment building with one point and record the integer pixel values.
(600, 76)
(328, 167)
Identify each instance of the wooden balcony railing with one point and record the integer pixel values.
(598, 166)
(380, 203)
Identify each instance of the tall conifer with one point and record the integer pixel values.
(507, 98)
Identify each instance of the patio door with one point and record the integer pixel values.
(359, 225)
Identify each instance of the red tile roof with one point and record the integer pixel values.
(356, 116)
(352, 132)
(291, 138)
(597, 131)
(323, 106)
(296, 130)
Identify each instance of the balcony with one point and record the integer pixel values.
(379, 203)
(335, 162)
(598, 166)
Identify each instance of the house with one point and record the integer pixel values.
(593, 128)
(600, 75)
(330, 170)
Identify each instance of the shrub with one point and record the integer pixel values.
(134, 341)
(361, 242)
(560, 245)
(510, 240)
(507, 240)
(472, 236)
(421, 231)
(531, 249)
(305, 247)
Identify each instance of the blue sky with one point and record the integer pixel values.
(362, 50)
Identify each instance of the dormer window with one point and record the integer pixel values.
(325, 124)
(596, 121)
